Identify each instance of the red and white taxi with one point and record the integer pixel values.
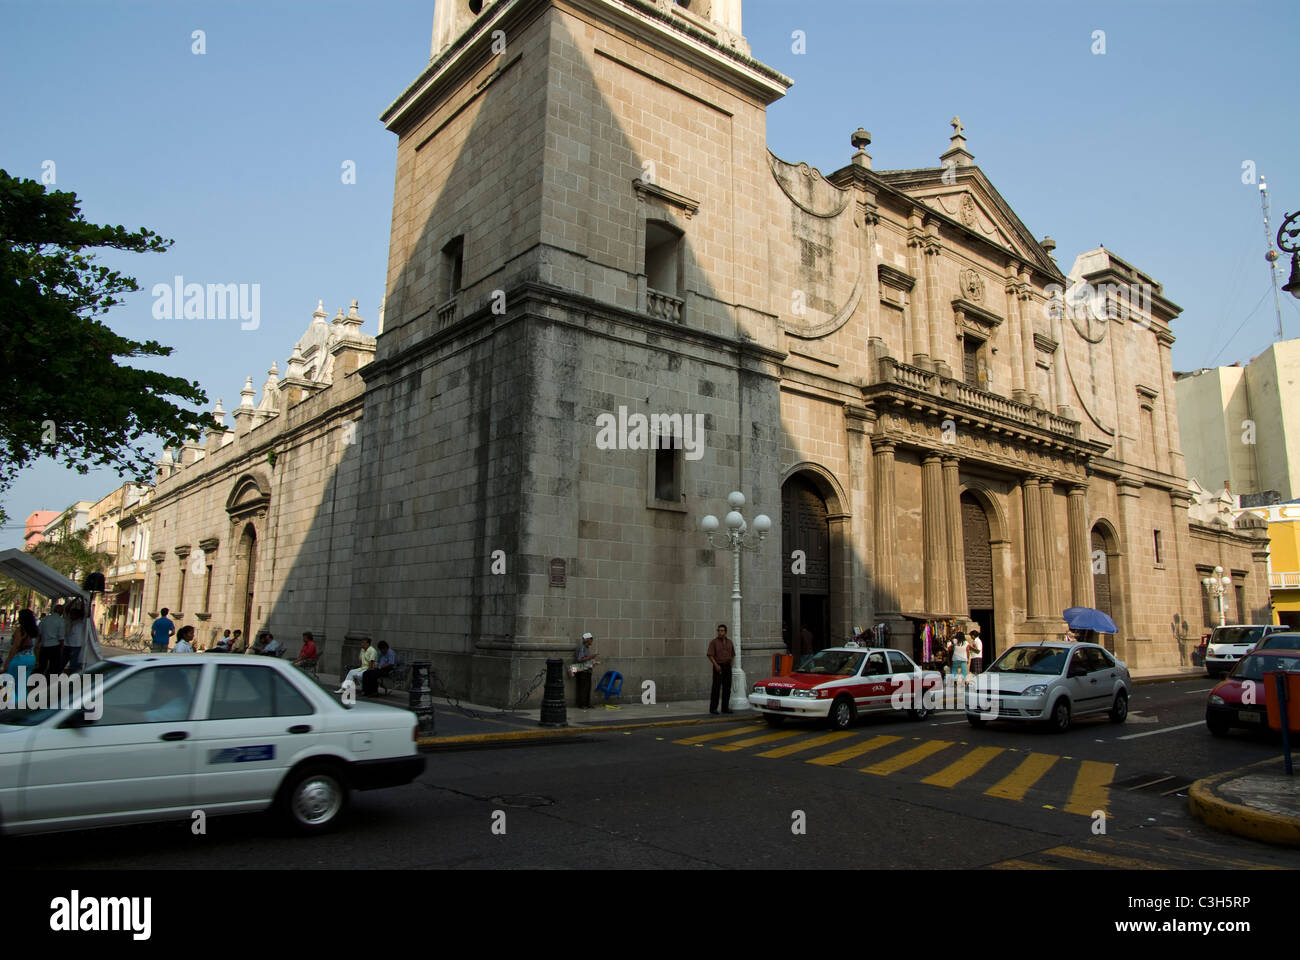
(839, 683)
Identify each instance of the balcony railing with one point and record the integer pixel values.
(1286, 579)
(663, 306)
(914, 378)
(447, 314)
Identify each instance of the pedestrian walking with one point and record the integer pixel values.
(53, 629)
(184, 640)
(584, 660)
(960, 652)
(74, 642)
(721, 653)
(976, 652)
(161, 632)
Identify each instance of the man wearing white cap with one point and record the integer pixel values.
(583, 662)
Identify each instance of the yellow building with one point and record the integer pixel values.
(1284, 562)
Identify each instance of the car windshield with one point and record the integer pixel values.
(1254, 667)
(31, 717)
(838, 662)
(1042, 660)
(1237, 635)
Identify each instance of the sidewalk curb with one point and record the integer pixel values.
(550, 733)
(1230, 817)
(1169, 676)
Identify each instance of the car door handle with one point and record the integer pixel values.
(174, 735)
(300, 728)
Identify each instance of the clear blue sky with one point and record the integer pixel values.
(237, 154)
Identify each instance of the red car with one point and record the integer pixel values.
(1242, 699)
(839, 683)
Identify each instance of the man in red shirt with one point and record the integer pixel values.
(308, 651)
(721, 653)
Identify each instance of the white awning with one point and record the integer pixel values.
(22, 566)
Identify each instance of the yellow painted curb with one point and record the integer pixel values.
(1221, 814)
(547, 733)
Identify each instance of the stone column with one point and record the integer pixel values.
(860, 572)
(1015, 353)
(939, 344)
(1035, 561)
(1051, 576)
(886, 529)
(935, 534)
(1028, 352)
(1080, 548)
(956, 560)
(918, 307)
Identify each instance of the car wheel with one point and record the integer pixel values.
(1119, 712)
(314, 798)
(920, 713)
(975, 721)
(774, 719)
(842, 712)
(1060, 719)
(1217, 725)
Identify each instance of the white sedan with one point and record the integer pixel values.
(174, 734)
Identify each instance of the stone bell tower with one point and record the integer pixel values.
(572, 178)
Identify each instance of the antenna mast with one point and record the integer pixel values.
(1271, 256)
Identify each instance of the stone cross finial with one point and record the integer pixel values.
(957, 128)
(320, 310)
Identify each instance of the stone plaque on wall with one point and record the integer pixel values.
(558, 568)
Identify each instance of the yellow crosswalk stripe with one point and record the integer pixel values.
(807, 744)
(907, 758)
(1103, 859)
(1020, 865)
(848, 753)
(1091, 788)
(1206, 858)
(731, 732)
(1015, 785)
(968, 765)
(765, 738)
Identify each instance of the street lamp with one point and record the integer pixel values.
(736, 538)
(1216, 586)
(1290, 229)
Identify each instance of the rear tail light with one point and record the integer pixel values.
(415, 733)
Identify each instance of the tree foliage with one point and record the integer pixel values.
(63, 391)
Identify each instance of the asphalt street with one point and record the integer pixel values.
(890, 793)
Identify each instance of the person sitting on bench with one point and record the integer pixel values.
(383, 667)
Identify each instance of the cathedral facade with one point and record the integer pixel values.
(589, 229)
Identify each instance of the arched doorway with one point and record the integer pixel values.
(977, 551)
(246, 578)
(1104, 558)
(806, 595)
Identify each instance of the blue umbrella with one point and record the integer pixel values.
(1086, 618)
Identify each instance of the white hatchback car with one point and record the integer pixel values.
(1053, 682)
(176, 733)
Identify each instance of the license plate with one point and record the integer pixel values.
(1250, 716)
(774, 704)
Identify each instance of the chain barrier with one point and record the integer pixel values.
(440, 690)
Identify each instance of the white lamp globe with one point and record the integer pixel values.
(735, 500)
(734, 520)
(709, 523)
(762, 523)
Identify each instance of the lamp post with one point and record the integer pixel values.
(1216, 586)
(735, 539)
(1290, 230)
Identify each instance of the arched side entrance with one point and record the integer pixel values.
(977, 552)
(246, 578)
(1107, 591)
(815, 596)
